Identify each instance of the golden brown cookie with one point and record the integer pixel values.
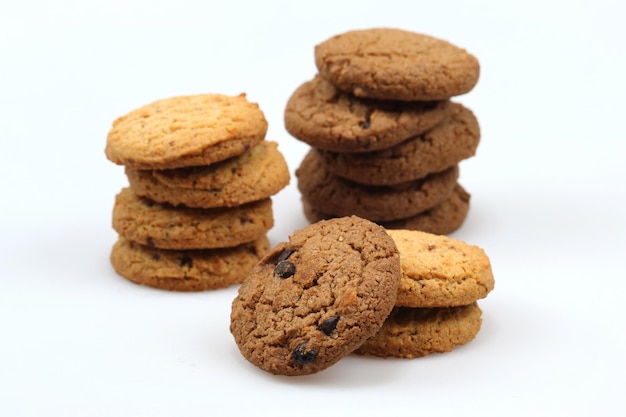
(167, 227)
(254, 175)
(444, 218)
(416, 332)
(445, 145)
(185, 131)
(394, 64)
(190, 270)
(333, 194)
(313, 300)
(322, 116)
(439, 271)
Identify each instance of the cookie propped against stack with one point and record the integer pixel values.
(201, 176)
(347, 285)
(379, 119)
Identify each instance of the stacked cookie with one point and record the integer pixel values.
(347, 285)
(198, 208)
(436, 307)
(385, 138)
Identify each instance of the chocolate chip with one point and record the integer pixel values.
(301, 356)
(186, 261)
(329, 325)
(284, 269)
(284, 255)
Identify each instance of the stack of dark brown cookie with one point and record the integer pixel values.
(198, 209)
(386, 139)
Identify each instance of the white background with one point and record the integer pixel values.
(547, 187)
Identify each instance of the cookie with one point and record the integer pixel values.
(185, 131)
(417, 332)
(254, 175)
(380, 204)
(318, 297)
(440, 271)
(394, 64)
(445, 145)
(444, 218)
(167, 227)
(322, 116)
(190, 270)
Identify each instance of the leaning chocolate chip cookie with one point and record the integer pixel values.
(394, 64)
(316, 298)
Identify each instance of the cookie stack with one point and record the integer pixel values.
(347, 285)
(385, 138)
(436, 308)
(198, 208)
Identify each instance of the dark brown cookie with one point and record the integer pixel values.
(393, 64)
(416, 332)
(254, 175)
(444, 218)
(167, 227)
(445, 145)
(380, 204)
(190, 270)
(316, 298)
(322, 116)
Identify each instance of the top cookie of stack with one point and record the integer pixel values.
(201, 175)
(386, 139)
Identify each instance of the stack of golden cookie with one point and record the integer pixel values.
(198, 207)
(385, 138)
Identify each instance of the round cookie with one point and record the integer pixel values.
(445, 145)
(314, 299)
(379, 204)
(190, 270)
(325, 118)
(185, 131)
(254, 175)
(394, 64)
(416, 332)
(444, 218)
(167, 227)
(439, 271)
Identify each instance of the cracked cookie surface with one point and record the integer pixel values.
(447, 144)
(167, 227)
(394, 64)
(322, 116)
(254, 175)
(316, 298)
(416, 332)
(185, 131)
(330, 193)
(186, 270)
(440, 271)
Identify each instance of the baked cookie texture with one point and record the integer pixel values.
(321, 115)
(254, 175)
(394, 64)
(185, 131)
(188, 270)
(417, 332)
(380, 204)
(164, 226)
(440, 271)
(386, 140)
(316, 298)
(443, 219)
(198, 207)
